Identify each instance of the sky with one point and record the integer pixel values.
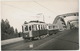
(18, 11)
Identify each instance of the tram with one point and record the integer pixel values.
(37, 28)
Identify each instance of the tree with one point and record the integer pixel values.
(2, 26)
(16, 31)
(7, 24)
(6, 30)
(11, 30)
(2, 29)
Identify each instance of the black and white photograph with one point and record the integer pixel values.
(39, 25)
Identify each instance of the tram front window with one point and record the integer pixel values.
(26, 28)
(53, 26)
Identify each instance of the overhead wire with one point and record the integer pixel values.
(43, 6)
(19, 8)
(31, 11)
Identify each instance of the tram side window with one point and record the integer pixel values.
(49, 27)
(26, 28)
(30, 28)
(39, 27)
(36, 27)
(44, 27)
(64, 26)
(33, 27)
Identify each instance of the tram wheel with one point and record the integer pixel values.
(39, 37)
(30, 39)
(25, 38)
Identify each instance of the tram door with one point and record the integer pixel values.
(30, 31)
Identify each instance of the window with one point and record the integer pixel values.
(36, 27)
(64, 26)
(64, 16)
(26, 28)
(74, 14)
(30, 28)
(53, 26)
(63, 23)
(43, 27)
(49, 27)
(39, 27)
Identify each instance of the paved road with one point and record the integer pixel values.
(66, 40)
(9, 41)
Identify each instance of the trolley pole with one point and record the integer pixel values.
(43, 19)
(41, 14)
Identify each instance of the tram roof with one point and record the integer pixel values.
(35, 23)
